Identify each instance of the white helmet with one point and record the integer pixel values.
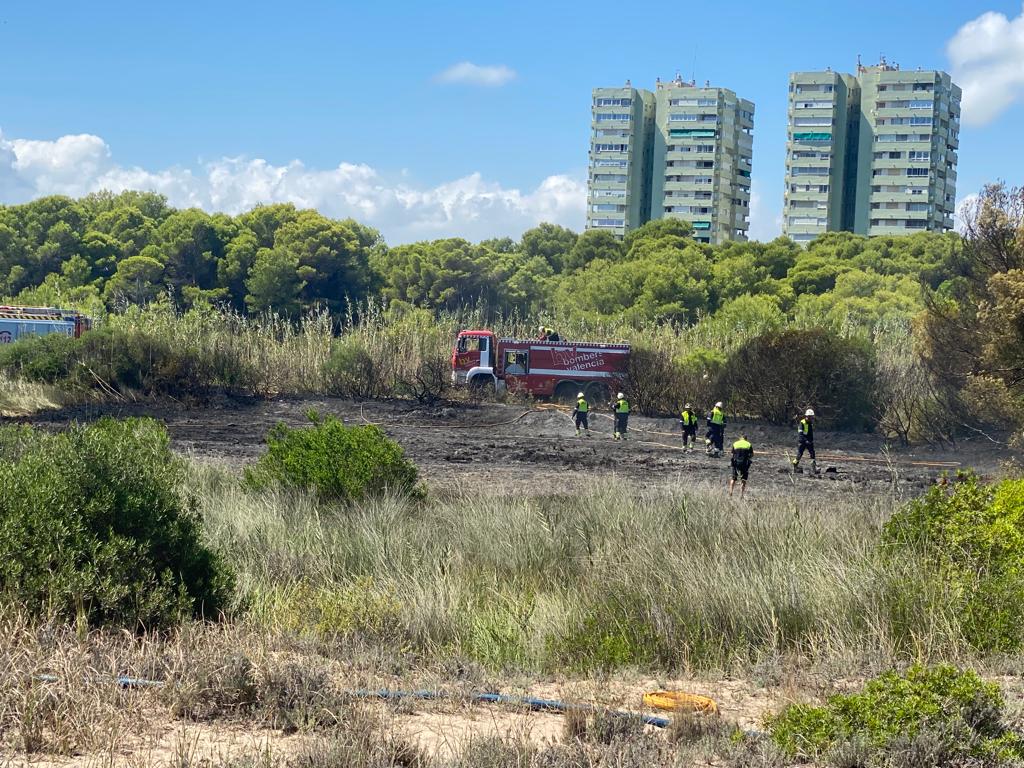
(718, 404)
(540, 327)
(687, 406)
(580, 395)
(810, 412)
(620, 395)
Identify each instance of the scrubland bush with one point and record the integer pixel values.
(970, 539)
(940, 716)
(113, 361)
(334, 461)
(777, 374)
(93, 526)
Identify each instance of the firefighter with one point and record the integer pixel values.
(579, 414)
(805, 436)
(742, 455)
(688, 420)
(548, 334)
(621, 410)
(715, 440)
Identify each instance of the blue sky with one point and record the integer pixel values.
(346, 107)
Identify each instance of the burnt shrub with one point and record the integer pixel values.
(778, 374)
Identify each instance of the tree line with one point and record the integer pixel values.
(107, 250)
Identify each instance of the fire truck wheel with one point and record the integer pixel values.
(481, 384)
(597, 393)
(566, 392)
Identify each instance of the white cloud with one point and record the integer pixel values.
(474, 74)
(987, 57)
(470, 207)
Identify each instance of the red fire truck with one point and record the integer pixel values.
(558, 369)
(18, 322)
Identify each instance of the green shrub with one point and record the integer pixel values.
(778, 374)
(93, 525)
(957, 714)
(334, 461)
(971, 539)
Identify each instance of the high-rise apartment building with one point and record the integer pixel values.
(873, 153)
(619, 185)
(703, 152)
(682, 152)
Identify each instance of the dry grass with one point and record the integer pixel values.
(613, 578)
(21, 398)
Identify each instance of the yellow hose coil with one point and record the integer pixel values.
(677, 701)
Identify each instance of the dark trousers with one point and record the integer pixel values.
(717, 434)
(805, 445)
(740, 471)
(621, 422)
(689, 434)
(581, 421)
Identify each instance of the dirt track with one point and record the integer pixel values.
(505, 447)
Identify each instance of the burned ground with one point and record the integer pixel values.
(534, 449)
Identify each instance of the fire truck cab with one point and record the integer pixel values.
(558, 369)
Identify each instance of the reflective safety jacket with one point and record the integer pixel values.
(742, 452)
(716, 417)
(582, 406)
(805, 429)
(689, 418)
(621, 405)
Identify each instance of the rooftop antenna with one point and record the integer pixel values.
(629, 83)
(860, 67)
(707, 83)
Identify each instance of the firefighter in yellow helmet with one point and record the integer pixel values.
(715, 440)
(620, 409)
(580, 414)
(742, 456)
(688, 421)
(805, 438)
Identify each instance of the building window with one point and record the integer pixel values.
(919, 156)
(917, 171)
(614, 102)
(610, 163)
(611, 147)
(617, 177)
(683, 118)
(607, 208)
(921, 120)
(605, 116)
(812, 121)
(817, 104)
(608, 223)
(920, 104)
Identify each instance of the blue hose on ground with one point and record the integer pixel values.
(530, 702)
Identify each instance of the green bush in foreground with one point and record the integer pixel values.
(942, 714)
(92, 524)
(971, 539)
(336, 462)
